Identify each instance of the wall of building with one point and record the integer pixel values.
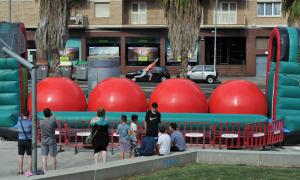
(155, 14)
(254, 20)
(240, 15)
(248, 25)
(22, 11)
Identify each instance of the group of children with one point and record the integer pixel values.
(128, 135)
(169, 139)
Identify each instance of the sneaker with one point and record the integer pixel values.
(28, 173)
(38, 172)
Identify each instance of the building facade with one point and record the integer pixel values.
(135, 31)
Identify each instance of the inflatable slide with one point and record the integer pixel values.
(13, 77)
(283, 77)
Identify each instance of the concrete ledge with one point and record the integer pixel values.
(254, 158)
(120, 168)
(135, 166)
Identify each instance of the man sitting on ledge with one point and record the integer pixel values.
(177, 139)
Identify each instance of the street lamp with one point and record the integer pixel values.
(215, 42)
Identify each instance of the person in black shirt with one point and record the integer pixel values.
(152, 121)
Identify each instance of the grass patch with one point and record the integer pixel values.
(221, 172)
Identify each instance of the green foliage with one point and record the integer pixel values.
(291, 8)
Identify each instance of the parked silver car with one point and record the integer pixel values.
(203, 72)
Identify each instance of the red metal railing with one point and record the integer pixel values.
(197, 134)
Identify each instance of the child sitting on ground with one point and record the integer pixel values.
(163, 145)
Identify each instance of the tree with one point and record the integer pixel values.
(53, 29)
(291, 8)
(183, 20)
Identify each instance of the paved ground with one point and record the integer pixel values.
(67, 158)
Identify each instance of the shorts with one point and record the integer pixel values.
(24, 146)
(125, 146)
(49, 148)
(99, 149)
(143, 73)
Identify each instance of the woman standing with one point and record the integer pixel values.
(24, 141)
(100, 135)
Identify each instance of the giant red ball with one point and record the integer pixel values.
(117, 95)
(59, 94)
(179, 96)
(238, 97)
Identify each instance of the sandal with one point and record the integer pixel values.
(20, 173)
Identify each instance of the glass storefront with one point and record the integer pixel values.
(103, 48)
(142, 51)
(171, 61)
(230, 50)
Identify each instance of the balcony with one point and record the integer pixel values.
(229, 14)
(78, 21)
(226, 20)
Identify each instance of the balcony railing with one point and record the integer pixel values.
(77, 21)
(226, 18)
(138, 18)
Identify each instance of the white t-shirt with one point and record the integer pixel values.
(164, 142)
(133, 128)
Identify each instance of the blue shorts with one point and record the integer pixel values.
(143, 73)
(125, 146)
(49, 149)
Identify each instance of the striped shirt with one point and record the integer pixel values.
(26, 123)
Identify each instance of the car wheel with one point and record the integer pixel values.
(163, 79)
(188, 77)
(210, 79)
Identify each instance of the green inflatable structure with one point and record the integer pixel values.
(13, 77)
(81, 119)
(13, 91)
(283, 77)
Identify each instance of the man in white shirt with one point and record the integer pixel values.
(163, 145)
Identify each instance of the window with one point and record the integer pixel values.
(139, 13)
(227, 13)
(262, 43)
(141, 56)
(209, 68)
(230, 50)
(198, 69)
(269, 9)
(102, 9)
(171, 61)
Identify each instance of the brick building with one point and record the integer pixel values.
(135, 32)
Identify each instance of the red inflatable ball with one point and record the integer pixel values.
(238, 97)
(118, 95)
(179, 96)
(59, 94)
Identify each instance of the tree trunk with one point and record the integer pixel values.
(53, 29)
(183, 21)
(183, 68)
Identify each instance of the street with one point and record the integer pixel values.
(148, 87)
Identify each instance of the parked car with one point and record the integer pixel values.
(159, 73)
(203, 72)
